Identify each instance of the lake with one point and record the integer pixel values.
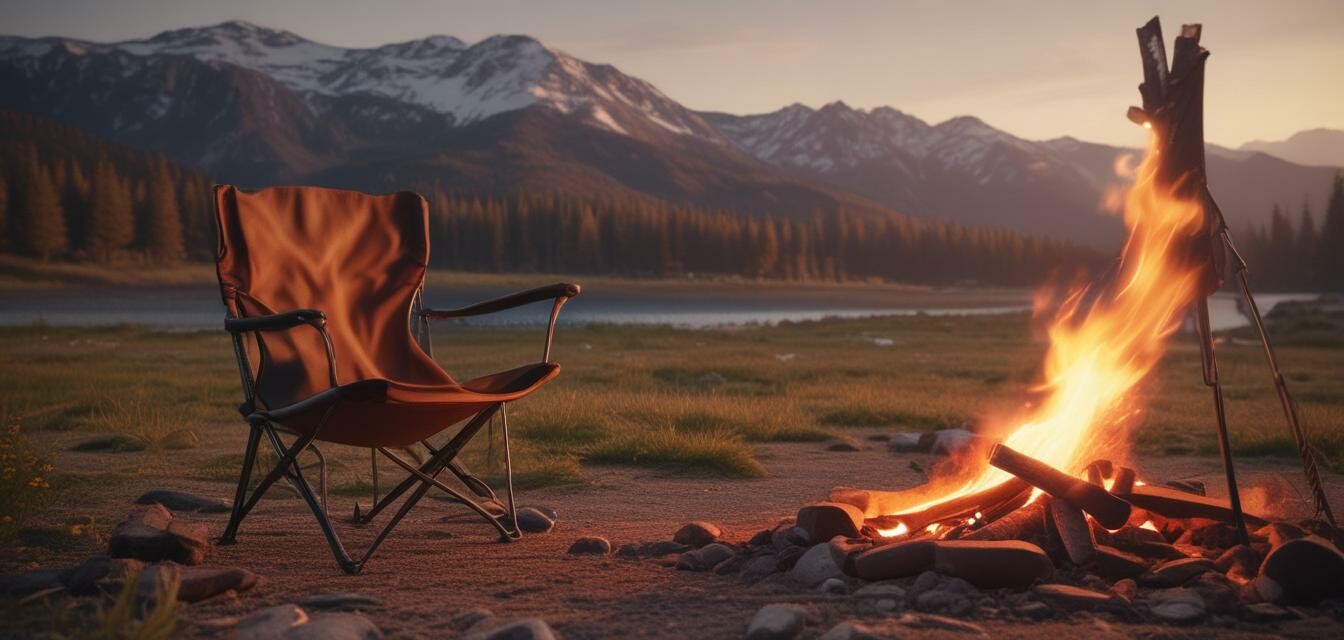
(693, 305)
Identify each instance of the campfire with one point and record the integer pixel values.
(1044, 497)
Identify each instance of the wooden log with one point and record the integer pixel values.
(1073, 530)
(1020, 524)
(1179, 504)
(1123, 482)
(988, 565)
(958, 507)
(1110, 511)
(1098, 471)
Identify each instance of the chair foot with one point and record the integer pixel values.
(223, 541)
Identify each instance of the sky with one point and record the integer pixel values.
(1036, 69)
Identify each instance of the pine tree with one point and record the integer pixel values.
(4, 211)
(1304, 250)
(111, 225)
(163, 230)
(1330, 253)
(42, 219)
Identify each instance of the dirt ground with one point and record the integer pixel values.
(440, 562)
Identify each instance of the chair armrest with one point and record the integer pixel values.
(561, 290)
(277, 321)
(560, 293)
(280, 322)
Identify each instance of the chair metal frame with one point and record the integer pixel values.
(420, 477)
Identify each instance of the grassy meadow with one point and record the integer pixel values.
(680, 401)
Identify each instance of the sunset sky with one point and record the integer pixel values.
(1035, 69)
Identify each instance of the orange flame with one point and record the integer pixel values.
(1105, 339)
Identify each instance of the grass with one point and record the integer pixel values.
(685, 401)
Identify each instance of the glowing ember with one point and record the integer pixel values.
(1148, 524)
(1104, 341)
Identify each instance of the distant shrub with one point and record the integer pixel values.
(23, 480)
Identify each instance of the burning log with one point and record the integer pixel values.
(1123, 482)
(1020, 524)
(1178, 504)
(963, 506)
(1098, 471)
(1073, 530)
(1110, 511)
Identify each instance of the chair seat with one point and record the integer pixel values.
(388, 413)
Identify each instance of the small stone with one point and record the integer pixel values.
(1177, 606)
(1308, 569)
(712, 379)
(464, 620)
(664, 548)
(775, 622)
(842, 446)
(881, 589)
(907, 443)
(533, 520)
(1215, 535)
(822, 521)
(697, 534)
(949, 442)
(524, 629)
(196, 583)
(545, 511)
(270, 623)
(1072, 598)
(758, 568)
(762, 538)
(590, 545)
(339, 600)
(852, 630)
(151, 534)
(1277, 533)
(183, 501)
(819, 563)
(1034, 610)
(1125, 588)
(1176, 572)
(114, 443)
(704, 558)
(886, 604)
(1268, 589)
(939, 601)
(102, 573)
(834, 586)
(336, 626)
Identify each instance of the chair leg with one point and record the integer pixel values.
(508, 471)
(249, 459)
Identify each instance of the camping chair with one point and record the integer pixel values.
(324, 293)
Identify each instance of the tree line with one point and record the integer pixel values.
(1283, 255)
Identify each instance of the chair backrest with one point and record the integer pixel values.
(358, 258)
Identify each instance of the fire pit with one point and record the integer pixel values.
(1044, 500)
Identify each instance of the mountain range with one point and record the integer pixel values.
(506, 115)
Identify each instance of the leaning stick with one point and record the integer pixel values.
(1110, 511)
(1179, 504)
(1073, 531)
(966, 505)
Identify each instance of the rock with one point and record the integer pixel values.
(938, 601)
(1307, 569)
(545, 511)
(27, 583)
(993, 564)
(775, 622)
(183, 501)
(1267, 612)
(784, 560)
(464, 620)
(834, 586)
(1126, 589)
(1240, 561)
(758, 568)
(851, 630)
(788, 536)
(842, 446)
(1033, 609)
(270, 623)
(881, 589)
(114, 443)
(1176, 572)
(1268, 589)
(697, 534)
(762, 538)
(906, 443)
(704, 558)
(820, 563)
(197, 583)
(1071, 598)
(822, 521)
(336, 626)
(1215, 535)
(532, 520)
(590, 545)
(151, 534)
(1177, 606)
(1114, 564)
(895, 560)
(339, 600)
(102, 573)
(1219, 592)
(524, 629)
(948, 442)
